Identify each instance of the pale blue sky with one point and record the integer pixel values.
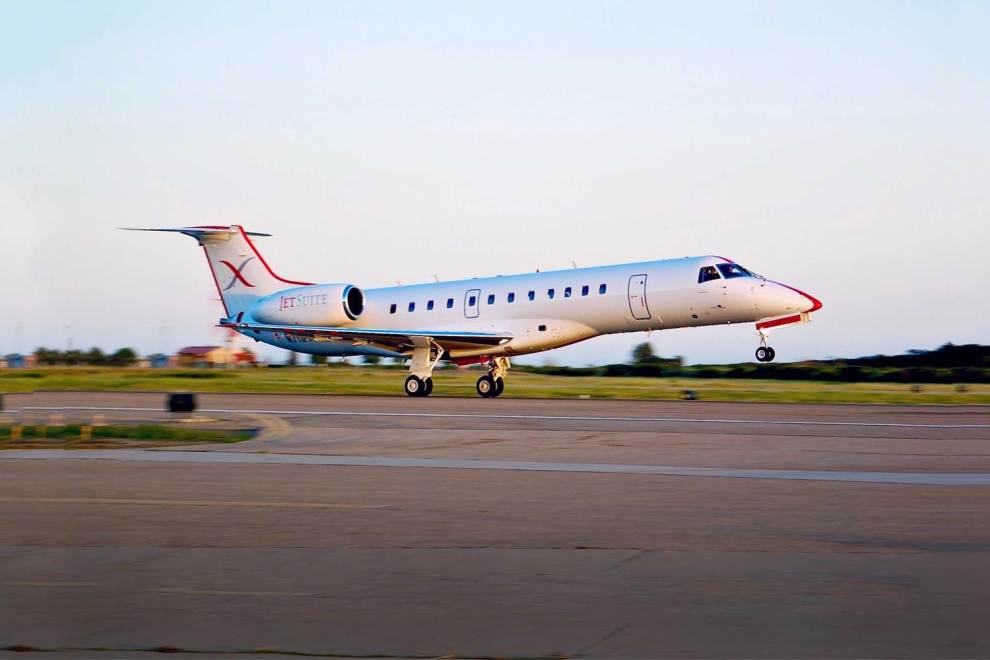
(840, 147)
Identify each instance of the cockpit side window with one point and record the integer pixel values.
(733, 270)
(707, 273)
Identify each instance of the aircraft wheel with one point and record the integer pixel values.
(771, 354)
(486, 387)
(499, 386)
(428, 389)
(415, 386)
(761, 354)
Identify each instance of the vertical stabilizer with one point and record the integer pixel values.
(239, 271)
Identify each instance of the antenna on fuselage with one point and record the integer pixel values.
(574, 263)
(436, 279)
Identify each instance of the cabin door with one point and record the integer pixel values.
(637, 298)
(472, 300)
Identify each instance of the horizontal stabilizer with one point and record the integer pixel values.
(195, 232)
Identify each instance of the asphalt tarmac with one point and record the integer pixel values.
(509, 528)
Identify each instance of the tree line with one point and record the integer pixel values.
(94, 357)
(968, 363)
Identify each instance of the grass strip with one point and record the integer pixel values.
(149, 432)
(387, 381)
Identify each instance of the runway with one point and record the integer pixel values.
(920, 478)
(506, 528)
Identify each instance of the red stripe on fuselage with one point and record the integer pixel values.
(816, 304)
(265, 263)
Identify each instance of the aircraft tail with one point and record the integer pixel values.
(240, 272)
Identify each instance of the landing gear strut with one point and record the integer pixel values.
(492, 384)
(420, 380)
(765, 353)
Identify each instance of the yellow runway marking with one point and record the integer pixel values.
(217, 592)
(232, 503)
(273, 426)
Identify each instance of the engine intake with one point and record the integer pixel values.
(319, 304)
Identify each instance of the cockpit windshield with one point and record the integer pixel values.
(707, 273)
(733, 270)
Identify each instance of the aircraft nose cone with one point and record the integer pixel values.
(799, 301)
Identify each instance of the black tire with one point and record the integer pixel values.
(428, 389)
(771, 354)
(415, 386)
(486, 387)
(181, 402)
(761, 354)
(499, 386)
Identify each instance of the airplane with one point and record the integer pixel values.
(486, 320)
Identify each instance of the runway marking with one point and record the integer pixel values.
(219, 592)
(217, 503)
(25, 583)
(569, 418)
(172, 456)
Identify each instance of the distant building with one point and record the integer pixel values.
(158, 361)
(15, 361)
(214, 356)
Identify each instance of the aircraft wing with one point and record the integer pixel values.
(398, 340)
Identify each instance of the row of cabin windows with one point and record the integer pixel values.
(429, 306)
(510, 298)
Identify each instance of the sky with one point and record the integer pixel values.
(841, 147)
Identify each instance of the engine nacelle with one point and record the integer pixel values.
(319, 304)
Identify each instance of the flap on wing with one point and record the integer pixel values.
(399, 339)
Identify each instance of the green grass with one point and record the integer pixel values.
(147, 432)
(460, 382)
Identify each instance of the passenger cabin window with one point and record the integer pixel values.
(567, 292)
(450, 303)
(550, 293)
(391, 309)
(429, 305)
(601, 289)
(491, 298)
(472, 301)
(707, 273)
(511, 298)
(584, 290)
(412, 307)
(733, 270)
(532, 295)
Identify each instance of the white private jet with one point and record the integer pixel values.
(487, 320)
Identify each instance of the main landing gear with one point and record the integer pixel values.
(416, 386)
(492, 384)
(765, 353)
(420, 380)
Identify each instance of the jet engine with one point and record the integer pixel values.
(319, 304)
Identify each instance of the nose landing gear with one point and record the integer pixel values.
(492, 384)
(765, 353)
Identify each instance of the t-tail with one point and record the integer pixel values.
(240, 272)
